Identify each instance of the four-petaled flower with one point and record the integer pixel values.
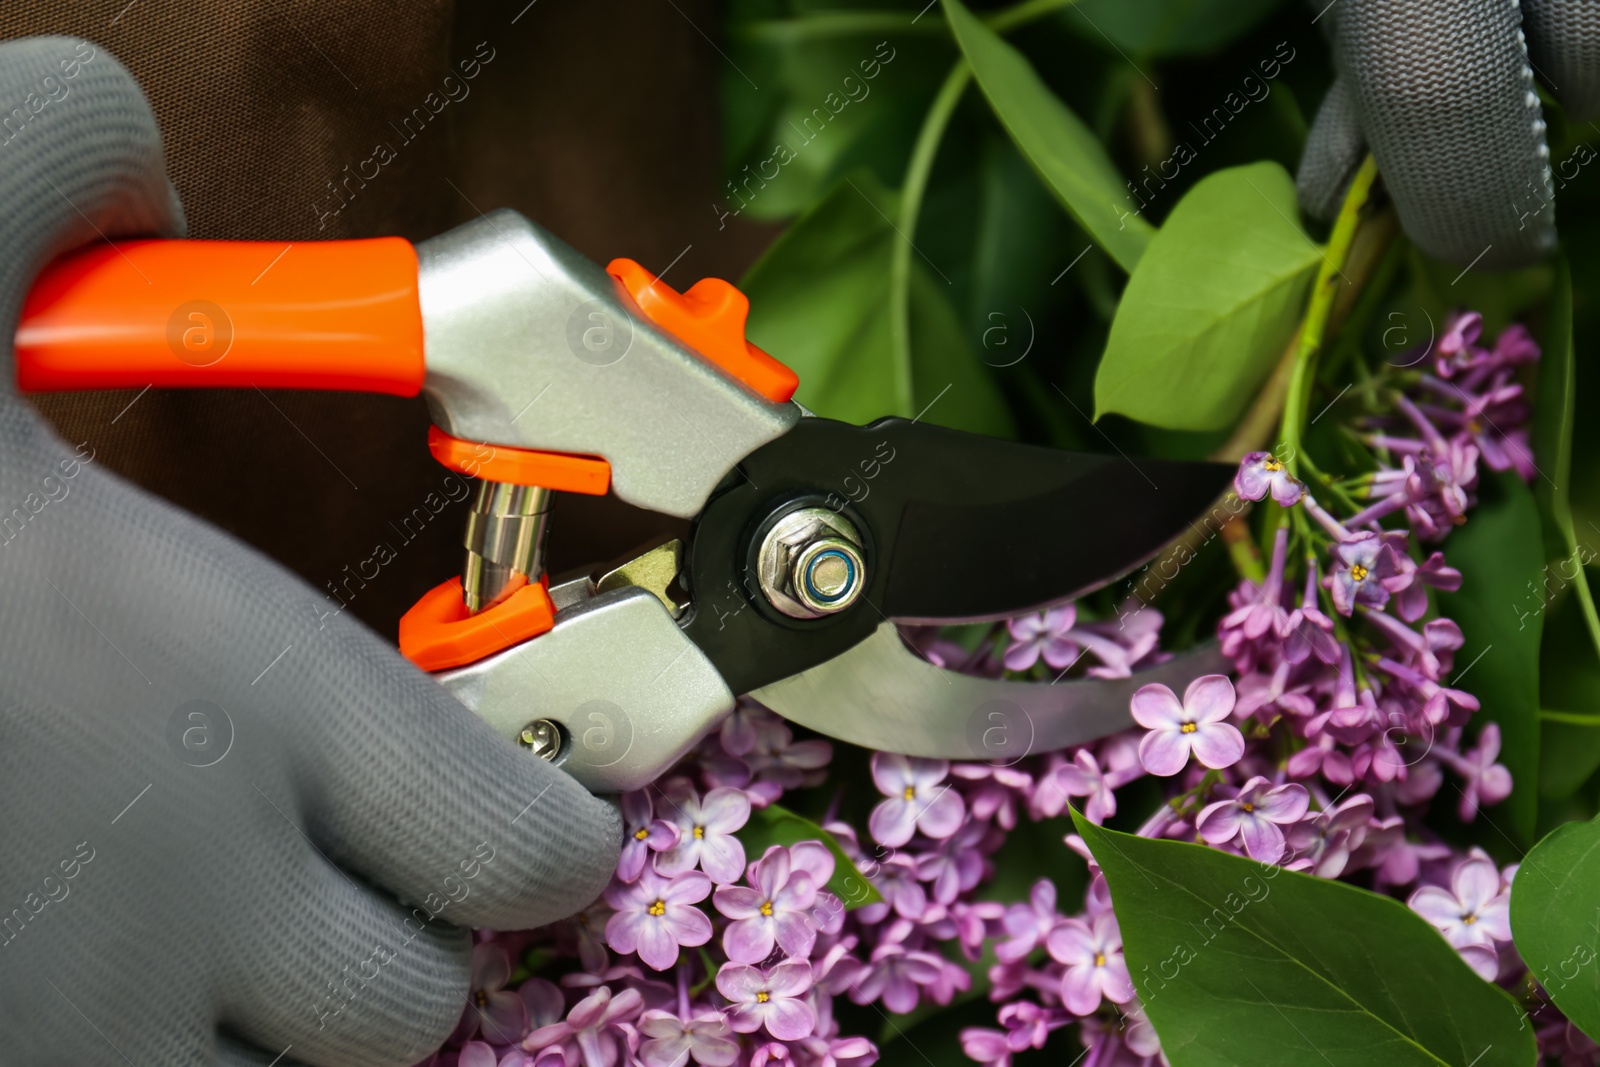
(1196, 725)
(705, 833)
(1262, 472)
(493, 1009)
(1047, 635)
(1363, 562)
(1092, 954)
(1255, 817)
(919, 799)
(1475, 910)
(772, 999)
(1027, 925)
(1474, 914)
(656, 915)
(895, 975)
(775, 912)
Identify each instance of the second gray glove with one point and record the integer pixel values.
(1443, 93)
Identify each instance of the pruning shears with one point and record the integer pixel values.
(811, 539)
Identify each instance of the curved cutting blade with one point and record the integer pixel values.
(957, 527)
(882, 695)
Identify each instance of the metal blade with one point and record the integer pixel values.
(956, 527)
(1002, 528)
(882, 695)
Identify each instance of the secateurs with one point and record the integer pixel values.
(810, 540)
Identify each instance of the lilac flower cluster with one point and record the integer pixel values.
(1322, 752)
(1337, 729)
(698, 952)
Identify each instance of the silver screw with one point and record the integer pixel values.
(541, 737)
(811, 564)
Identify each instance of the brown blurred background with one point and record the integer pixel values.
(597, 118)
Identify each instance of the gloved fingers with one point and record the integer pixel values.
(1564, 42)
(420, 795)
(353, 979)
(1445, 96)
(84, 161)
(231, 1052)
(1333, 153)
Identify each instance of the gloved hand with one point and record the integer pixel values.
(1442, 91)
(233, 829)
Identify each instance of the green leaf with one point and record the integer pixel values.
(1553, 417)
(1239, 962)
(1569, 695)
(1165, 27)
(819, 301)
(1555, 920)
(1498, 553)
(1061, 148)
(777, 825)
(1020, 241)
(1211, 305)
(811, 93)
(1569, 753)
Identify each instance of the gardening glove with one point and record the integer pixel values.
(1442, 93)
(235, 826)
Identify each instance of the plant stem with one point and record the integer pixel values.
(1571, 718)
(1246, 559)
(1024, 13)
(915, 185)
(1366, 252)
(823, 25)
(918, 171)
(1311, 331)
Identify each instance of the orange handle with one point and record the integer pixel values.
(311, 315)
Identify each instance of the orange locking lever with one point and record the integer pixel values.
(709, 318)
(302, 315)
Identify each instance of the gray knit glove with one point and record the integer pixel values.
(1442, 91)
(232, 828)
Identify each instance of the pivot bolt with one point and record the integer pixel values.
(541, 737)
(811, 564)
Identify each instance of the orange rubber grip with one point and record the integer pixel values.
(302, 315)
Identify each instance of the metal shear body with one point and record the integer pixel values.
(811, 539)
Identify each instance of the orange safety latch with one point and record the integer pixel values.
(710, 319)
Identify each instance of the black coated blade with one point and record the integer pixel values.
(958, 527)
(995, 528)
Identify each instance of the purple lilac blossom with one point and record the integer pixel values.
(771, 999)
(497, 1012)
(656, 915)
(704, 835)
(1255, 818)
(919, 798)
(1091, 951)
(774, 910)
(642, 834)
(1261, 473)
(1196, 725)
